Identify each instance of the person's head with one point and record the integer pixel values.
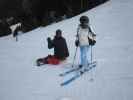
(58, 33)
(84, 21)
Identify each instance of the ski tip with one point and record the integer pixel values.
(66, 83)
(60, 74)
(62, 84)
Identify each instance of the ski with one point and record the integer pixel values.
(77, 76)
(69, 71)
(74, 69)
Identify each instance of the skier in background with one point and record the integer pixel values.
(85, 39)
(17, 32)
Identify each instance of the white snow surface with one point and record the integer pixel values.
(20, 79)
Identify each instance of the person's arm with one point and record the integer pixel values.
(77, 37)
(50, 43)
(66, 51)
(93, 34)
(92, 39)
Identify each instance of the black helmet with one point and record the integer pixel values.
(58, 31)
(84, 19)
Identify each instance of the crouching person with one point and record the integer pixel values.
(60, 50)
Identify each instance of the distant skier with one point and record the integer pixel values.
(17, 31)
(60, 50)
(85, 39)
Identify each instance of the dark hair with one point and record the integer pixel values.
(58, 31)
(84, 19)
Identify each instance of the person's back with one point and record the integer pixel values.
(83, 36)
(60, 48)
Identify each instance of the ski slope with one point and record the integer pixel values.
(20, 79)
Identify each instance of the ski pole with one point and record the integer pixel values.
(91, 72)
(74, 56)
(91, 54)
(16, 38)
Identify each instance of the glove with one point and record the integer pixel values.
(77, 43)
(48, 39)
(91, 42)
(93, 35)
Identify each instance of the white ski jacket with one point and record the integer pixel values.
(83, 35)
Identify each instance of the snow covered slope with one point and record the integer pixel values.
(20, 79)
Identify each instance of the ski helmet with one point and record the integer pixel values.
(58, 31)
(84, 19)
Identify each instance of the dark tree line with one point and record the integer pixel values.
(33, 13)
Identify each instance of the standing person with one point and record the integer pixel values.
(17, 32)
(84, 41)
(60, 50)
